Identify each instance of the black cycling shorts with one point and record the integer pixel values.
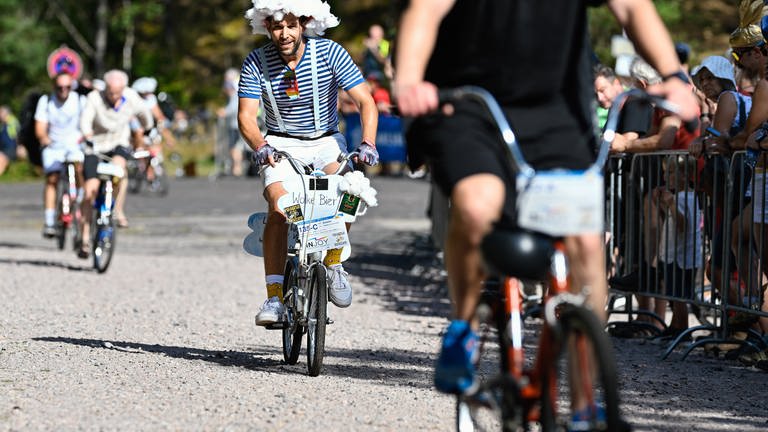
(91, 161)
(469, 142)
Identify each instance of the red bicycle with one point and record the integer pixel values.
(571, 383)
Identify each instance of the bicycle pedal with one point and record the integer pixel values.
(277, 325)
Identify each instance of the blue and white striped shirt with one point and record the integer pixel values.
(335, 69)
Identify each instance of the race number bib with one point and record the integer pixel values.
(561, 203)
(322, 234)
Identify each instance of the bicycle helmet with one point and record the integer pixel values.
(145, 85)
(318, 11)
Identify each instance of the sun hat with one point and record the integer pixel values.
(318, 10)
(748, 33)
(719, 66)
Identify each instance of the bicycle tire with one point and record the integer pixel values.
(161, 180)
(61, 225)
(293, 333)
(316, 319)
(579, 322)
(77, 234)
(496, 405)
(104, 238)
(135, 177)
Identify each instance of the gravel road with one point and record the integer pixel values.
(165, 339)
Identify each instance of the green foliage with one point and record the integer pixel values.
(188, 44)
(20, 171)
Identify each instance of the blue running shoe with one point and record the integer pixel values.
(455, 370)
(588, 419)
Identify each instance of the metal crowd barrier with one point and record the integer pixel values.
(726, 263)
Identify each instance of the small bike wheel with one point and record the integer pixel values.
(104, 234)
(316, 320)
(292, 333)
(582, 369)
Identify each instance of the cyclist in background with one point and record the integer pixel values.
(146, 87)
(57, 127)
(105, 125)
(297, 75)
(534, 58)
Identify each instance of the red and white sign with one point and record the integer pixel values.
(64, 60)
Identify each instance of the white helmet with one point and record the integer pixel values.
(318, 10)
(145, 85)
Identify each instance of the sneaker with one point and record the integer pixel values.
(587, 418)
(455, 369)
(338, 286)
(271, 312)
(49, 231)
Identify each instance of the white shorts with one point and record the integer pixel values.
(319, 153)
(54, 157)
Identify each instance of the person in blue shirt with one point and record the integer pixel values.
(296, 77)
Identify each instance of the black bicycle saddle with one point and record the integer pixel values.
(518, 253)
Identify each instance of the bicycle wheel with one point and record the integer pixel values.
(582, 365)
(135, 176)
(316, 319)
(160, 183)
(292, 333)
(495, 404)
(104, 234)
(62, 203)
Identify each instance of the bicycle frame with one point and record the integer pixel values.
(103, 229)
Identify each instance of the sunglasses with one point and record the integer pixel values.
(62, 88)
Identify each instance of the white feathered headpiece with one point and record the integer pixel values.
(318, 10)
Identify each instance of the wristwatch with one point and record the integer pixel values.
(682, 76)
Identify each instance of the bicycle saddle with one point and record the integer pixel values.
(518, 253)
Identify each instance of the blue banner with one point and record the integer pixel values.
(390, 141)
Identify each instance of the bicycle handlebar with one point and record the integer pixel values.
(508, 135)
(300, 167)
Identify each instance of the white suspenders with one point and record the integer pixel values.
(264, 66)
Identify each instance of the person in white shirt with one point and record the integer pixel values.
(57, 127)
(105, 124)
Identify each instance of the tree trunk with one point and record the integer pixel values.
(102, 12)
(130, 37)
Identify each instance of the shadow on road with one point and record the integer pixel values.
(12, 245)
(45, 263)
(393, 368)
(403, 271)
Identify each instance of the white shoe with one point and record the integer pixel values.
(272, 311)
(338, 286)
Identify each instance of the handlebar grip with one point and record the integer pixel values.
(447, 95)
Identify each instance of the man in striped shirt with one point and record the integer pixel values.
(297, 76)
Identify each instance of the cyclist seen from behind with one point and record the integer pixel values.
(57, 127)
(105, 124)
(534, 57)
(296, 75)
